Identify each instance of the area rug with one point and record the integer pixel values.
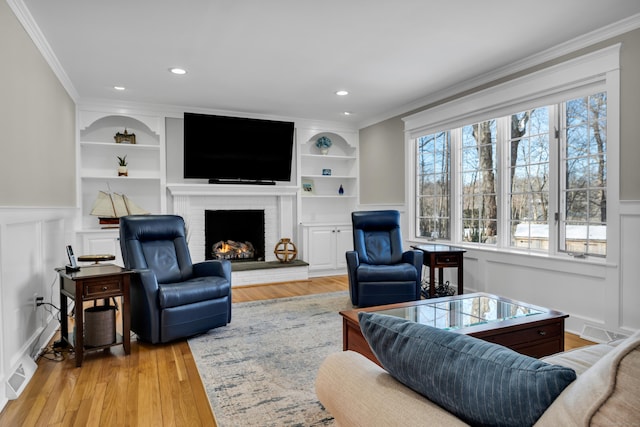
(260, 369)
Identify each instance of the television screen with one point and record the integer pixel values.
(236, 149)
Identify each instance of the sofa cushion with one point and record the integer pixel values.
(607, 393)
(480, 382)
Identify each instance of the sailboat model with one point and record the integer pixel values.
(109, 207)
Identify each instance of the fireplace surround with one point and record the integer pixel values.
(279, 203)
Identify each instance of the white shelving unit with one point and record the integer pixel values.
(325, 213)
(145, 184)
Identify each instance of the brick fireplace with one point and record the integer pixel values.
(191, 201)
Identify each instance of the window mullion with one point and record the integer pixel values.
(502, 190)
(556, 172)
(456, 185)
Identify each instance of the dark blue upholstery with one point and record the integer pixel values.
(171, 298)
(379, 271)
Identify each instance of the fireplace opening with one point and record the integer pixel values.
(236, 235)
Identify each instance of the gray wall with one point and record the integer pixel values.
(382, 144)
(37, 124)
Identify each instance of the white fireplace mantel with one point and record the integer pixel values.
(278, 202)
(232, 190)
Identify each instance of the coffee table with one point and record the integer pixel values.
(525, 328)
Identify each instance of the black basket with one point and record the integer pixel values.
(99, 326)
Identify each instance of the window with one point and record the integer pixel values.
(529, 179)
(523, 165)
(479, 198)
(583, 227)
(530, 145)
(433, 184)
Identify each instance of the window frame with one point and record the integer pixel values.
(588, 74)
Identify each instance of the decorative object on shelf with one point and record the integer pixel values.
(285, 250)
(341, 190)
(122, 166)
(129, 138)
(326, 172)
(109, 207)
(307, 186)
(323, 144)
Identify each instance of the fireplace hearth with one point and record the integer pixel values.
(236, 235)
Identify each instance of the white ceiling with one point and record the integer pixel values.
(286, 58)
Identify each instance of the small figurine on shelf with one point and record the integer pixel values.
(122, 166)
(125, 137)
(323, 144)
(341, 190)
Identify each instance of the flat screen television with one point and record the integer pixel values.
(237, 150)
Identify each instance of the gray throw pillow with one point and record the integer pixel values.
(480, 382)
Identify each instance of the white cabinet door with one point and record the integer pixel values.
(344, 243)
(321, 248)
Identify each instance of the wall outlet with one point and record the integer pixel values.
(37, 301)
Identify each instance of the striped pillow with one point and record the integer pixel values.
(480, 382)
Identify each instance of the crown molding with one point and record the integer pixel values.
(22, 13)
(605, 33)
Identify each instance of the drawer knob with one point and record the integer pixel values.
(543, 333)
(104, 288)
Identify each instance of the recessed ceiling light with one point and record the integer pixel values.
(119, 87)
(342, 93)
(179, 71)
(347, 113)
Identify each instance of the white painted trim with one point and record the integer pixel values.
(545, 86)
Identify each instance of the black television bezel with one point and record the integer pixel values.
(266, 165)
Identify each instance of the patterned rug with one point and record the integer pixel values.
(260, 369)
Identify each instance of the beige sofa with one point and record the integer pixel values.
(357, 392)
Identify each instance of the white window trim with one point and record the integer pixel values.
(596, 71)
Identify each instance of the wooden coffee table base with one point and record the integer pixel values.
(537, 336)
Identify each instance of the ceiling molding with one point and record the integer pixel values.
(25, 18)
(605, 33)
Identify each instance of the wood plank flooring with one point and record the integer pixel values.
(156, 385)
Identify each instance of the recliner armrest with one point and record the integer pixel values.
(221, 268)
(353, 262)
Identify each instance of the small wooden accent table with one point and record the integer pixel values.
(92, 283)
(525, 328)
(441, 256)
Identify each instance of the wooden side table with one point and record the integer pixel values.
(442, 256)
(91, 283)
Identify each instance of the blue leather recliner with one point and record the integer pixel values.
(379, 271)
(170, 297)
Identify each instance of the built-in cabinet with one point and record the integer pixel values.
(144, 184)
(325, 247)
(329, 193)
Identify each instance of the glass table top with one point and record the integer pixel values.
(463, 312)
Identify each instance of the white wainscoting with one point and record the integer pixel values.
(32, 242)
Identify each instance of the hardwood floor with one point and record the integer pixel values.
(156, 385)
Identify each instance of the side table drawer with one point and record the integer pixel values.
(528, 335)
(103, 287)
(446, 260)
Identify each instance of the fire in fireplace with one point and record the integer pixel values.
(233, 250)
(236, 235)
